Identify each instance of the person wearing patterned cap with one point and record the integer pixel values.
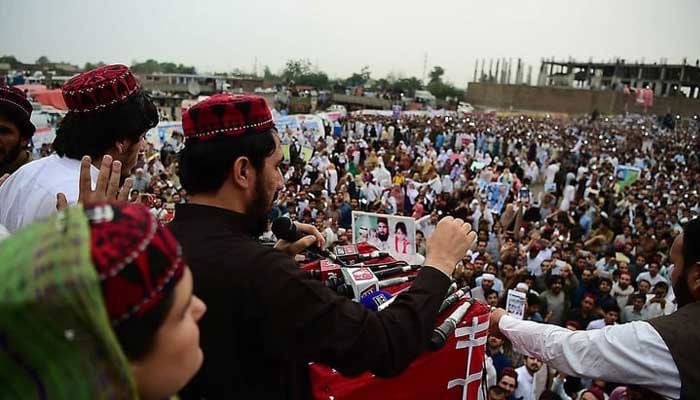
(16, 129)
(266, 320)
(96, 304)
(108, 117)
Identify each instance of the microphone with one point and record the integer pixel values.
(284, 229)
(442, 332)
(374, 254)
(384, 273)
(395, 281)
(397, 263)
(451, 299)
(358, 283)
(374, 300)
(386, 304)
(451, 289)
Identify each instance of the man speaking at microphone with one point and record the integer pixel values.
(266, 321)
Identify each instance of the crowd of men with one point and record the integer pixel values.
(586, 250)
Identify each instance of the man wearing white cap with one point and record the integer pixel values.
(478, 292)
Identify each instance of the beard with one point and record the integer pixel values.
(383, 236)
(259, 208)
(9, 156)
(680, 289)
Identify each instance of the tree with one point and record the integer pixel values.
(318, 80)
(359, 79)
(90, 66)
(295, 69)
(9, 60)
(43, 60)
(436, 74)
(268, 75)
(439, 88)
(365, 73)
(300, 71)
(407, 86)
(151, 66)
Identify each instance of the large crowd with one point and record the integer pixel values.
(587, 251)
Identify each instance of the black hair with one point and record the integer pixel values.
(94, 133)
(553, 279)
(24, 125)
(532, 299)
(204, 165)
(497, 391)
(402, 226)
(639, 296)
(611, 307)
(137, 335)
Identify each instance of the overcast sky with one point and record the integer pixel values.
(342, 36)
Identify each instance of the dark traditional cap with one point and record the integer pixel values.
(138, 260)
(14, 99)
(508, 371)
(100, 88)
(596, 392)
(227, 115)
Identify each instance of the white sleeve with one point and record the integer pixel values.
(627, 353)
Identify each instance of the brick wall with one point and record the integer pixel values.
(568, 100)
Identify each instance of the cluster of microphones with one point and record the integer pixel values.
(347, 274)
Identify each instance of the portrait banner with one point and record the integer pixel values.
(393, 234)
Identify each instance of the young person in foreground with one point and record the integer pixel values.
(96, 304)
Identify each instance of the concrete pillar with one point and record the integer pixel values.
(498, 65)
(510, 68)
(529, 75)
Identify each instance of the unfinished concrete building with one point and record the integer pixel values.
(664, 79)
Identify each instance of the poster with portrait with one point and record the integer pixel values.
(161, 133)
(286, 155)
(306, 153)
(516, 303)
(393, 234)
(496, 195)
(626, 175)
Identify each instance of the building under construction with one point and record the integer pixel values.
(664, 79)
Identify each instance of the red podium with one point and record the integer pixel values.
(452, 373)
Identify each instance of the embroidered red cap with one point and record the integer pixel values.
(14, 99)
(137, 259)
(226, 115)
(100, 88)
